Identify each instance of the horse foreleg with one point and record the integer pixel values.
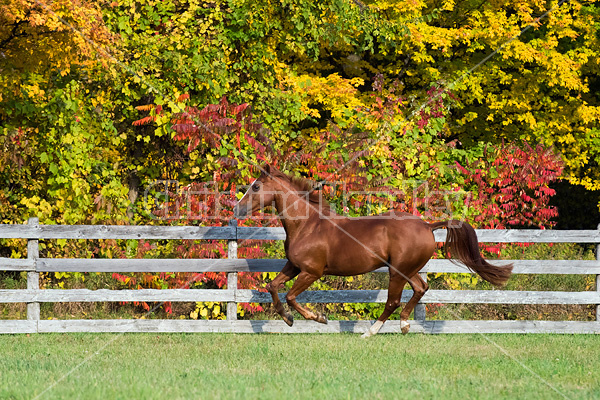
(395, 289)
(419, 288)
(287, 273)
(304, 280)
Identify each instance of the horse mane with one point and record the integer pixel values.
(307, 185)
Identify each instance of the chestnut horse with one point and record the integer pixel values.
(320, 242)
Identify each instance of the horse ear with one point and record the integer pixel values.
(267, 169)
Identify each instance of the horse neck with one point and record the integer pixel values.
(293, 209)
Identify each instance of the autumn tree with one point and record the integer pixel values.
(59, 148)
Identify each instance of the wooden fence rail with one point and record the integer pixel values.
(33, 295)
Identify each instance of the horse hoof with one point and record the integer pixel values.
(322, 319)
(405, 327)
(289, 319)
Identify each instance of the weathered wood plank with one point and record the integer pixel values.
(278, 326)
(589, 267)
(580, 267)
(563, 327)
(16, 264)
(227, 233)
(536, 236)
(216, 326)
(311, 296)
(18, 231)
(529, 236)
(252, 233)
(598, 279)
(117, 232)
(484, 235)
(33, 277)
(420, 311)
(509, 297)
(18, 326)
(320, 296)
(432, 296)
(101, 295)
(158, 265)
(221, 326)
(232, 277)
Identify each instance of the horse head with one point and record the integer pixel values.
(261, 194)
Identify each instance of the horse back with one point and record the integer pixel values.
(353, 246)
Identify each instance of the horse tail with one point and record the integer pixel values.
(461, 243)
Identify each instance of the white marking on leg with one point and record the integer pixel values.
(373, 329)
(404, 326)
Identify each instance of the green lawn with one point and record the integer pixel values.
(224, 366)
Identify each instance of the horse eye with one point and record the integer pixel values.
(255, 187)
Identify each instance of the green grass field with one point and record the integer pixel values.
(224, 366)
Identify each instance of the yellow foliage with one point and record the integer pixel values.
(43, 37)
(332, 92)
(207, 310)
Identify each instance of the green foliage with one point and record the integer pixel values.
(61, 165)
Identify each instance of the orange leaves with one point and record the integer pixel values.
(39, 36)
(154, 112)
(144, 121)
(146, 107)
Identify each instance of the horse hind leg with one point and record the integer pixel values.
(287, 273)
(419, 288)
(397, 282)
(304, 280)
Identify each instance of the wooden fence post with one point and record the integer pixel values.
(420, 311)
(232, 277)
(33, 277)
(598, 279)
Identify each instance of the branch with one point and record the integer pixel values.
(361, 5)
(13, 33)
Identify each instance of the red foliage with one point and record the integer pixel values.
(513, 186)
(210, 123)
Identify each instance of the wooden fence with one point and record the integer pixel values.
(33, 295)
